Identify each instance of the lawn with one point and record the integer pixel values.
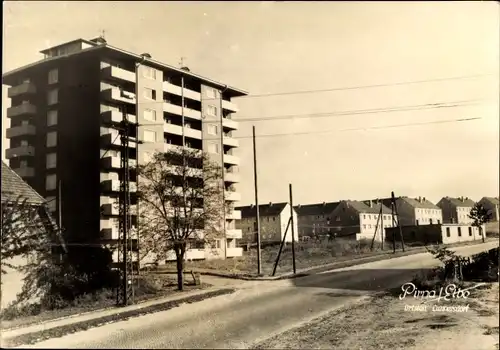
(148, 287)
(307, 255)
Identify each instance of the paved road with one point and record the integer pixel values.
(256, 311)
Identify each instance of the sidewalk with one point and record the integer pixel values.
(92, 315)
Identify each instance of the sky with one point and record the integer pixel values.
(287, 47)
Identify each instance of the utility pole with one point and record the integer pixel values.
(393, 215)
(259, 268)
(59, 213)
(376, 227)
(399, 224)
(382, 232)
(293, 231)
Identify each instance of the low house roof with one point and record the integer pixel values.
(271, 209)
(363, 207)
(421, 203)
(492, 200)
(316, 209)
(460, 202)
(15, 188)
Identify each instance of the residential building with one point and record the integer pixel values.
(456, 210)
(274, 219)
(491, 204)
(15, 192)
(359, 219)
(416, 211)
(435, 234)
(314, 219)
(64, 117)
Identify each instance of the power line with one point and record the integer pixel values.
(366, 111)
(361, 129)
(365, 86)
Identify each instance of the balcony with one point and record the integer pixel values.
(21, 130)
(114, 209)
(176, 90)
(234, 215)
(116, 117)
(115, 95)
(177, 130)
(231, 177)
(234, 234)
(114, 186)
(118, 74)
(234, 252)
(19, 152)
(232, 196)
(177, 110)
(112, 139)
(191, 254)
(24, 88)
(110, 209)
(229, 141)
(114, 162)
(169, 147)
(232, 160)
(23, 109)
(25, 172)
(229, 106)
(109, 230)
(230, 124)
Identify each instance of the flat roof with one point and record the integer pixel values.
(235, 91)
(68, 43)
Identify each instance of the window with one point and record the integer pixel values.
(213, 148)
(24, 143)
(23, 164)
(212, 110)
(211, 93)
(51, 118)
(149, 72)
(52, 139)
(470, 231)
(448, 232)
(51, 203)
(53, 76)
(150, 94)
(51, 160)
(52, 97)
(459, 231)
(150, 115)
(25, 122)
(212, 129)
(149, 136)
(50, 182)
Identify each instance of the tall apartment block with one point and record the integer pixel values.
(64, 114)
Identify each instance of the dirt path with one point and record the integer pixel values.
(383, 323)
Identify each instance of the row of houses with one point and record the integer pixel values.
(358, 219)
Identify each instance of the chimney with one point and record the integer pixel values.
(324, 203)
(462, 199)
(423, 199)
(298, 206)
(270, 204)
(420, 199)
(371, 203)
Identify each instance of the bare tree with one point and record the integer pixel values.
(181, 205)
(480, 216)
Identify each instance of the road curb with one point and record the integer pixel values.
(59, 331)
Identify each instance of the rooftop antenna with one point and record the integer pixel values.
(103, 34)
(181, 63)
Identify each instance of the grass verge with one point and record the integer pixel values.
(31, 338)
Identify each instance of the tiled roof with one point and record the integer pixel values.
(492, 200)
(316, 209)
(364, 207)
(14, 187)
(460, 202)
(272, 209)
(423, 204)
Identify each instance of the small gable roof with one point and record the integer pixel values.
(316, 209)
(15, 188)
(271, 209)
